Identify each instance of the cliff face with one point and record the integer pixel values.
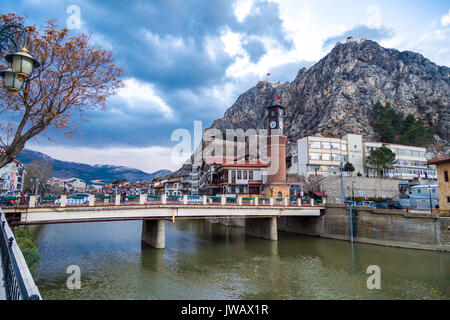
(336, 95)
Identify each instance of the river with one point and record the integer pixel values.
(210, 261)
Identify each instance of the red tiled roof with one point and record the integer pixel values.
(439, 160)
(319, 194)
(246, 163)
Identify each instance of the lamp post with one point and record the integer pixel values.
(21, 62)
(429, 192)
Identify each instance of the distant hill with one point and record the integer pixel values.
(89, 173)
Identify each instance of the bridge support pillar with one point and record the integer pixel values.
(117, 200)
(153, 233)
(265, 228)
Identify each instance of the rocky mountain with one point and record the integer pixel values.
(89, 173)
(336, 95)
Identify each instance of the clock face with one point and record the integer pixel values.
(273, 125)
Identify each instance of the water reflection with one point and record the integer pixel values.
(212, 261)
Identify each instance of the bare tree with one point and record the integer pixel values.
(38, 174)
(73, 77)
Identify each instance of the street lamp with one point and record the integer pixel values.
(21, 61)
(12, 82)
(429, 192)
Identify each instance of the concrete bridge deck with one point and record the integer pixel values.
(260, 220)
(86, 213)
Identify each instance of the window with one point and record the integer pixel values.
(325, 145)
(446, 176)
(344, 147)
(314, 156)
(233, 174)
(314, 144)
(336, 146)
(335, 157)
(239, 175)
(250, 175)
(325, 156)
(244, 175)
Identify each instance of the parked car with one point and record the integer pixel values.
(395, 206)
(367, 204)
(383, 205)
(352, 203)
(75, 199)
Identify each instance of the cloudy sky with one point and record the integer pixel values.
(190, 60)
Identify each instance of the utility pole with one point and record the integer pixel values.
(342, 182)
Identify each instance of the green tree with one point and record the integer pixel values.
(381, 158)
(348, 167)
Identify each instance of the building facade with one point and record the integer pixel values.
(443, 171)
(323, 156)
(12, 177)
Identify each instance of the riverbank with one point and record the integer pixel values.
(211, 261)
(393, 228)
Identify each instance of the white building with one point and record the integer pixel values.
(12, 177)
(322, 156)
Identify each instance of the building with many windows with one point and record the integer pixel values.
(322, 156)
(12, 177)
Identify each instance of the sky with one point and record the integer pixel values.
(189, 61)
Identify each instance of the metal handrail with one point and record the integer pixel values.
(18, 282)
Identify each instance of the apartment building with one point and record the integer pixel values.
(12, 177)
(322, 156)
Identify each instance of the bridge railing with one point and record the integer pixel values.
(17, 280)
(141, 199)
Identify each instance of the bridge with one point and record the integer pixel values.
(258, 215)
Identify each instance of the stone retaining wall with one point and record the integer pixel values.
(396, 228)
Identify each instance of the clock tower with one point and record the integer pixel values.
(276, 114)
(276, 151)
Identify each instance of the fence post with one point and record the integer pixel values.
(223, 200)
(32, 202)
(239, 199)
(299, 202)
(271, 201)
(164, 198)
(63, 200)
(256, 201)
(185, 199)
(91, 200)
(311, 201)
(117, 200)
(204, 199)
(142, 198)
(209, 200)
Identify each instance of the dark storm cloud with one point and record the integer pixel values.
(166, 43)
(361, 31)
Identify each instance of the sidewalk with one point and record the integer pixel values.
(2, 288)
